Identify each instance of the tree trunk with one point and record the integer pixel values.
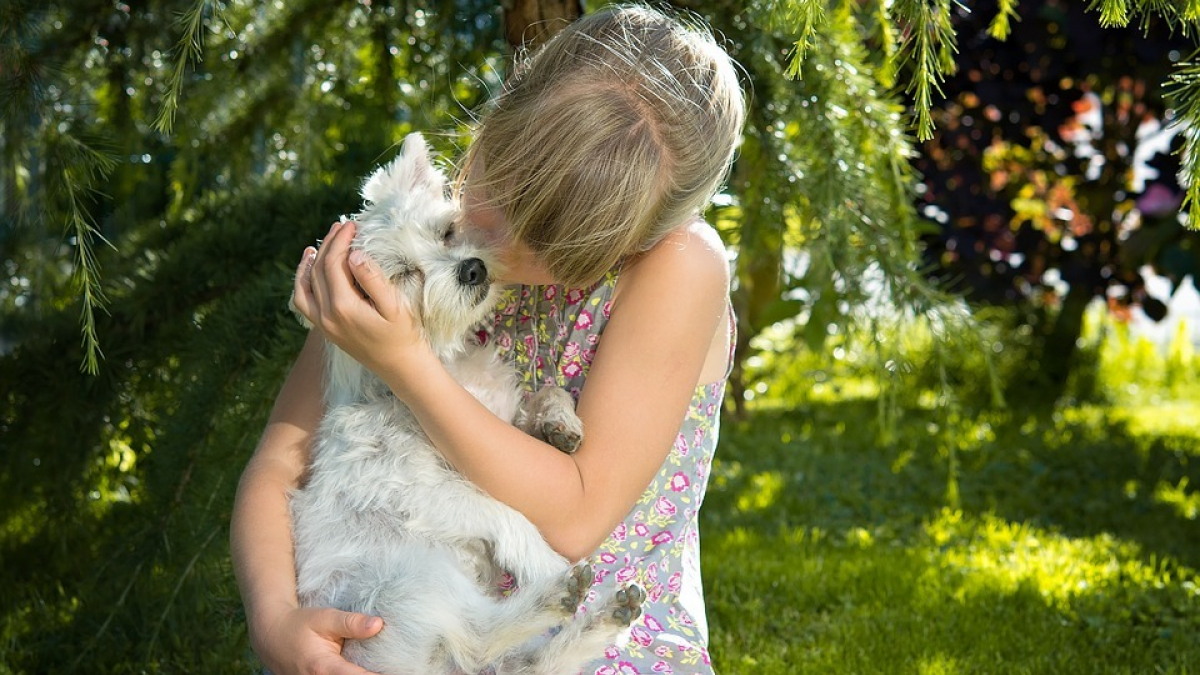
(529, 23)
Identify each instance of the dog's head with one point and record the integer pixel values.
(413, 232)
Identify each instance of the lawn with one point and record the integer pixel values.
(1004, 542)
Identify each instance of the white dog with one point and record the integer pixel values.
(383, 525)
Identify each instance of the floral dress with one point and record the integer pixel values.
(550, 333)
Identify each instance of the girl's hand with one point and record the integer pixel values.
(308, 641)
(345, 295)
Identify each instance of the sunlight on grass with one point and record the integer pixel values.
(762, 492)
(993, 555)
(1186, 504)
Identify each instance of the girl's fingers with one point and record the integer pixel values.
(369, 277)
(302, 294)
(331, 271)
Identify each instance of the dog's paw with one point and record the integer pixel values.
(626, 604)
(562, 436)
(579, 582)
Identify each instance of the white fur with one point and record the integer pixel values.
(383, 525)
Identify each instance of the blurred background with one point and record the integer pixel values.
(963, 426)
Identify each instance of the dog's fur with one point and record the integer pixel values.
(383, 525)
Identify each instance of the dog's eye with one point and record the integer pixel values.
(448, 236)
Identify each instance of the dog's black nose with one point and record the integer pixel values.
(472, 272)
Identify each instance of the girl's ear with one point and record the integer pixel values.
(409, 171)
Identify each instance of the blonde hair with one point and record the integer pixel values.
(616, 131)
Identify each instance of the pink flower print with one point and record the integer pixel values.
(550, 293)
(618, 535)
(504, 340)
(675, 582)
(607, 309)
(655, 592)
(641, 530)
(711, 409)
(625, 574)
(592, 338)
(606, 670)
(608, 558)
(698, 437)
(681, 445)
(611, 652)
(601, 575)
(530, 345)
(704, 655)
(664, 507)
(627, 668)
(571, 369)
(640, 636)
(679, 482)
(588, 355)
(662, 650)
(662, 538)
(662, 667)
(561, 332)
(574, 296)
(584, 321)
(653, 624)
(652, 571)
(571, 350)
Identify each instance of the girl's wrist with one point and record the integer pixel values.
(411, 369)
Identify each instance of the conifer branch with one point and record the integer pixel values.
(1001, 26)
(929, 46)
(1183, 94)
(188, 52)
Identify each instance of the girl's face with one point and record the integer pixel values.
(486, 222)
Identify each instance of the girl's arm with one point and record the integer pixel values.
(669, 305)
(288, 639)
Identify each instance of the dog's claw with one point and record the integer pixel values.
(559, 436)
(628, 602)
(579, 582)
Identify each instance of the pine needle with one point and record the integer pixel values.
(187, 53)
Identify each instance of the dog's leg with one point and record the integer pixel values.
(581, 640)
(550, 416)
(516, 623)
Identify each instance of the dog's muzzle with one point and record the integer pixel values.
(472, 272)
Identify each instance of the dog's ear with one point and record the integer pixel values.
(410, 171)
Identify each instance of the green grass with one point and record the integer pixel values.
(1006, 542)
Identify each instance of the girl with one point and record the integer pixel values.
(589, 175)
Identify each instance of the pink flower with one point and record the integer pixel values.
(607, 309)
(662, 650)
(608, 558)
(675, 582)
(641, 530)
(625, 574)
(681, 445)
(572, 369)
(664, 507)
(611, 652)
(662, 538)
(652, 570)
(584, 321)
(570, 350)
(551, 292)
(575, 296)
(655, 593)
(698, 439)
(592, 338)
(606, 670)
(662, 667)
(653, 624)
(679, 482)
(530, 346)
(704, 655)
(640, 636)
(504, 340)
(619, 533)
(627, 668)
(588, 355)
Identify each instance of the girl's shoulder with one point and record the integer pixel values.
(690, 256)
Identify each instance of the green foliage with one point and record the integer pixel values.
(116, 490)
